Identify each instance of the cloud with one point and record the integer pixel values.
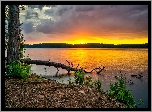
(31, 15)
(36, 6)
(40, 6)
(95, 20)
(27, 27)
(63, 9)
(87, 7)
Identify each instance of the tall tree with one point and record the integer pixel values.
(13, 50)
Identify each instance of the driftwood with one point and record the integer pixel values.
(60, 65)
(100, 69)
(137, 76)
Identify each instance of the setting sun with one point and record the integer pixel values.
(82, 42)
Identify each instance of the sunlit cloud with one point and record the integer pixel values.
(67, 23)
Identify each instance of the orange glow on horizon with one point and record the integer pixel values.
(108, 41)
(85, 40)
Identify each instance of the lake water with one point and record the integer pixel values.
(129, 61)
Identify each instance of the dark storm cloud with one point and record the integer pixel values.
(87, 7)
(62, 9)
(95, 19)
(59, 10)
(27, 27)
(50, 27)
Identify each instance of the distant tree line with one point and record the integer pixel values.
(88, 45)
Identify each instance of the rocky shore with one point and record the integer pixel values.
(37, 92)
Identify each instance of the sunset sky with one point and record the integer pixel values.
(110, 24)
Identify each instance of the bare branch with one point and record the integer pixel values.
(77, 66)
(59, 65)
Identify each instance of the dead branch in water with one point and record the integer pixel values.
(100, 69)
(60, 65)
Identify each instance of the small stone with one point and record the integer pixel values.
(82, 92)
(41, 96)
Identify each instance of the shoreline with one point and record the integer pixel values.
(38, 92)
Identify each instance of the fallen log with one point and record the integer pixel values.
(47, 63)
(60, 65)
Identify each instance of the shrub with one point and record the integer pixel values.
(70, 82)
(79, 77)
(118, 91)
(88, 81)
(18, 69)
(98, 85)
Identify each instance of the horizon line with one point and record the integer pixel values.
(86, 43)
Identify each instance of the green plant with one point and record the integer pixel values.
(98, 85)
(70, 82)
(60, 76)
(119, 91)
(18, 69)
(41, 77)
(140, 102)
(62, 81)
(27, 59)
(88, 81)
(79, 77)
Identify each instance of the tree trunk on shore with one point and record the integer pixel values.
(13, 51)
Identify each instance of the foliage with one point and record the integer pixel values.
(62, 81)
(89, 81)
(98, 85)
(27, 59)
(140, 102)
(18, 69)
(70, 82)
(79, 77)
(22, 46)
(119, 91)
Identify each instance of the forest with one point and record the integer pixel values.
(88, 45)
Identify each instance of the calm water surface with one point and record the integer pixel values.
(129, 61)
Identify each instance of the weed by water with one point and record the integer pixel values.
(89, 81)
(119, 91)
(79, 77)
(18, 69)
(70, 82)
(98, 85)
